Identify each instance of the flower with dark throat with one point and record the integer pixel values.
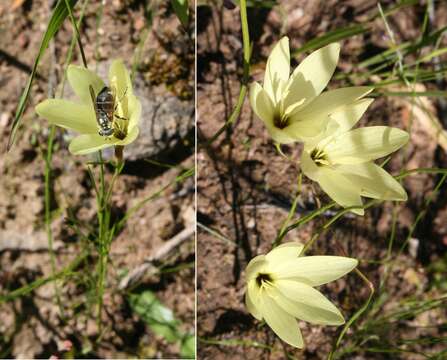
(294, 107)
(341, 160)
(104, 116)
(280, 289)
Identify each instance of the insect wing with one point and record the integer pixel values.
(92, 94)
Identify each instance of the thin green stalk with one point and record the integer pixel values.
(292, 211)
(132, 210)
(303, 220)
(97, 37)
(77, 35)
(423, 212)
(106, 233)
(247, 343)
(102, 230)
(246, 74)
(357, 314)
(118, 168)
(245, 39)
(26, 289)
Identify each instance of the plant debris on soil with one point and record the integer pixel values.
(32, 325)
(245, 190)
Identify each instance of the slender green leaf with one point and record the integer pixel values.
(59, 14)
(433, 93)
(433, 54)
(405, 48)
(332, 36)
(182, 11)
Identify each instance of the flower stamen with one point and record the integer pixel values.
(263, 280)
(319, 157)
(281, 121)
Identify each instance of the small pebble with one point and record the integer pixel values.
(4, 119)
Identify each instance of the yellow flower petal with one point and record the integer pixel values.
(315, 270)
(88, 143)
(305, 129)
(261, 104)
(340, 189)
(330, 101)
(68, 115)
(255, 265)
(284, 252)
(298, 90)
(318, 67)
(119, 76)
(305, 303)
(374, 181)
(277, 71)
(281, 136)
(308, 166)
(347, 116)
(365, 144)
(252, 299)
(283, 324)
(334, 183)
(134, 111)
(80, 78)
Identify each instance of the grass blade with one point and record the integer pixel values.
(182, 11)
(331, 36)
(59, 14)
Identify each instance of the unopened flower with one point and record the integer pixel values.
(97, 129)
(280, 288)
(293, 107)
(341, 159)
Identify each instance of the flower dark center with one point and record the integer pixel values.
(120, 125)
(319, 157)
(263, 278)
(120, 133)
(280, 121)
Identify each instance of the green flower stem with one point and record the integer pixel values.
(245, 40)
(77, 35)
(305, 219)
(29, 288)
(139, 205)
(102, 231)
(357, 314)
(106, 233)
(283, 231)
(246, 75)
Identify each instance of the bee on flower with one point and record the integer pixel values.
(105, 116)
(280, 289)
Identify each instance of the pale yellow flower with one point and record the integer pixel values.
(280, 288)
(80, 116)
(293, 107)
(341, 159)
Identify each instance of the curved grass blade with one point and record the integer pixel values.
(59, 14)
(332, 36)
